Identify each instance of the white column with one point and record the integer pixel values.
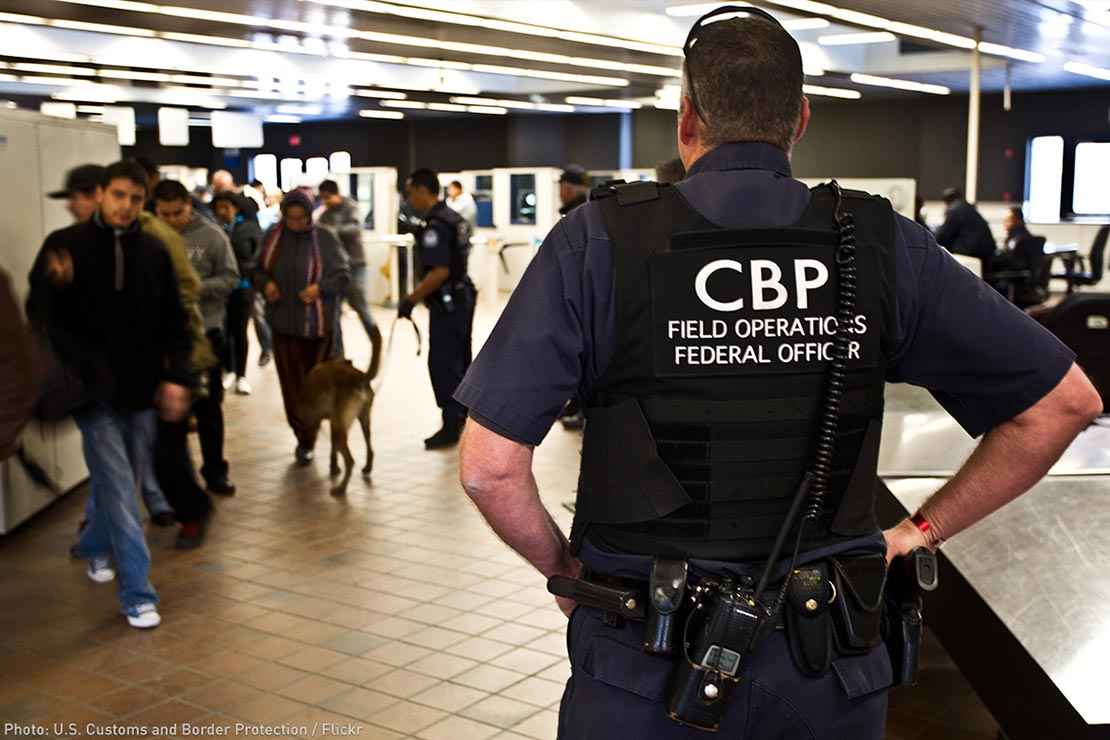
(971, 188)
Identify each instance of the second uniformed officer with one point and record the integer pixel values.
(442, 248)
(731, 335)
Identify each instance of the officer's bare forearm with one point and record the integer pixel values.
(430, 284)
(1014, 456)
(497, 475)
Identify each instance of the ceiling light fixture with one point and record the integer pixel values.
(1008, 51)
(382, 94)
(1088, 70)
(491, 110)
(101, 28)
(601, 103)
(852, 39)
(390, 114)
(213, 81)
(413, 104)
(302, 110)
(862, 79)
(62, 81)
(832, 92)
(426, 12)
(282, 119)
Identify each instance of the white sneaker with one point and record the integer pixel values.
(100, 570)
(242, 387)
(229, 380)
(145, 617)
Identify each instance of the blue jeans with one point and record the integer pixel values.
(117, 451)
(153, 497)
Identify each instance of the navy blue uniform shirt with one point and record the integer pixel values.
(983, 359)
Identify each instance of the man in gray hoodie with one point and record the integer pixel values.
(212, 257)
(341, 216)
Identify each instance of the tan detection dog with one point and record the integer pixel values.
(338, 391)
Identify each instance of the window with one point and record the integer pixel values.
(265, 169)
(340, 163)
(1044, 179)
(1091, 195)
(316, 170)
(291, 171)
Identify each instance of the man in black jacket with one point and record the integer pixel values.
(106, 294)
(964, 230)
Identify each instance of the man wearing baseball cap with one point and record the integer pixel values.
(574, 186)
(81, 191)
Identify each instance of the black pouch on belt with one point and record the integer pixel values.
(666, 590)
(858, 606)
(809, 619)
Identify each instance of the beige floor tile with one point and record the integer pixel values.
(314, 690)
(397, 654)
(538, 691)
(488, 678)
(359, 703)
(524, 660)
(457, 728)
(500, 711)
(542, 726)
(402, 683)
(356, 670)
(394, 627)
(442, 665)
(514, 634)
(313, 659)
(404, 716)
(559, 672)
(502, 609)
(269, 676)
(449, 697)
(471, 624)
(269, 710)
(353, 642)
(435, 638)
(479, 648)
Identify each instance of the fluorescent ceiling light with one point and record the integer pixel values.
(200, 122)
(282, 119)
(544, 74)
(832, 92)
(862, 79)
(487, 109)
(54, 69)
(212, 81)
(8, 78)
(447, 107)
(1088, 70)
(391, 114)
(806, 24)
(118, 5)
(851, 39)
(1012, 53)
(90, 94)
(413, 104)
(428, 12)
(102, 28)
(515, 104)
(124, 74)
(601, 103)
(30, 20)
(383, 94)
(197, 38)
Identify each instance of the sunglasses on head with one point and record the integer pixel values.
(744, 11)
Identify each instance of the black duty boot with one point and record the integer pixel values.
(446, 437)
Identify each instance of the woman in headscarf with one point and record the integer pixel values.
(302, 272)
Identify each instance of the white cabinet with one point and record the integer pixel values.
(36, 151)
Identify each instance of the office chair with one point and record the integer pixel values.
(1027, 283)
(1084, 277)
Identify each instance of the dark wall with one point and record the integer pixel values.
(922, 137)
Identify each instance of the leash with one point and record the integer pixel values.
(387, 353)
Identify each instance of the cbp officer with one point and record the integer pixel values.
(698, 321)
(442, 248)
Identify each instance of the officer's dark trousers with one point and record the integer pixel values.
(450, 353)
(618, 691)
(210, 419)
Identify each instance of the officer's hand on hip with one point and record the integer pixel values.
(903, 539)
(405, 307)
(566, 606)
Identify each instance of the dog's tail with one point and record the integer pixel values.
(375, 353)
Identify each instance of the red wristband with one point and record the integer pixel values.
(927, 529)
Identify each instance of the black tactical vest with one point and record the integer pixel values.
(459, 229)
(703, 425)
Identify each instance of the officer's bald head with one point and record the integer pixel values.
(746, 77)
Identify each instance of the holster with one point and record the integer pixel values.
(904, 617)
(858, 606)
(808, 616)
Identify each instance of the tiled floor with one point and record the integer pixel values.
(394, 610)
